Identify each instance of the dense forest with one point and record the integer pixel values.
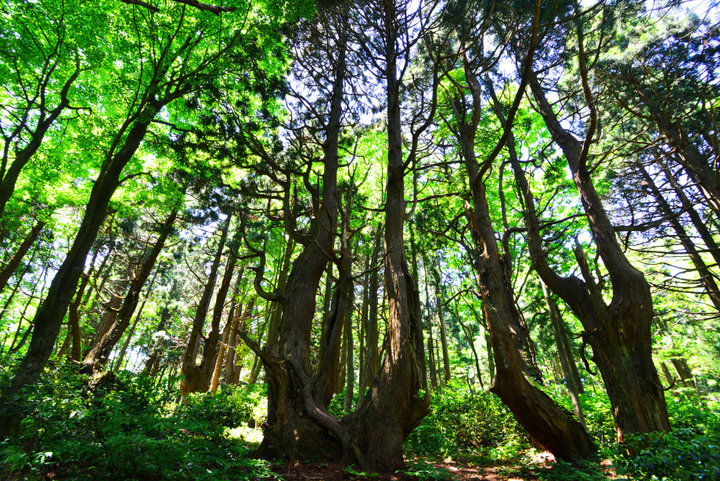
(430, 239)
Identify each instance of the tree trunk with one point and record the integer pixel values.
(397, 400)
(74, 321)
(619, 333)
(548, 424)
(46, 117)
(441, 320)
(297, 424)
(99, 354)
(697, 221)
(372, 352)
(567, 362)
(123, 350)
(196, 378)
(51, 312)
(14, 262)
(430, 339)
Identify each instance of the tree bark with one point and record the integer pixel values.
(24, 247)
(297, 425)
(548, 424)
(398, 399)
(49, 315)
(121, 357)
(567, 362)
(619, 333)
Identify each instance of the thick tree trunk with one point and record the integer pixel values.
(51, 312)
(619, 333)
(548, 424)
(24, 247)
(397, 400)
(297, 424)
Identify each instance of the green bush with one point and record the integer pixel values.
(691, 451)
(229, 407)
(679, 455)
(468, 423)
(119, 428)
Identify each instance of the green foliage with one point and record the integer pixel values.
(229, 407)
(679, 455)
(691, 451)
(121, 428)
(581, 470)
(461, 421)
(598, 417)
(424, 471)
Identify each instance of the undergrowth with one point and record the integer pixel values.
(122, 428)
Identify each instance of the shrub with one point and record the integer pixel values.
(466, 422)
(691, 451)
(120, 428)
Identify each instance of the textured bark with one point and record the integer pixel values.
(619, 333)
(23, 249)
(548, 424)
(297, 424)
(397, 400)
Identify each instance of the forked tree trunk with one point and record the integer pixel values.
(297, 425)
(619, 333)
(551, 426)
(398, 399)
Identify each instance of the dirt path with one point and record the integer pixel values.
(445, 471)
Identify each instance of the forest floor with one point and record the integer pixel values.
(445, 470)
